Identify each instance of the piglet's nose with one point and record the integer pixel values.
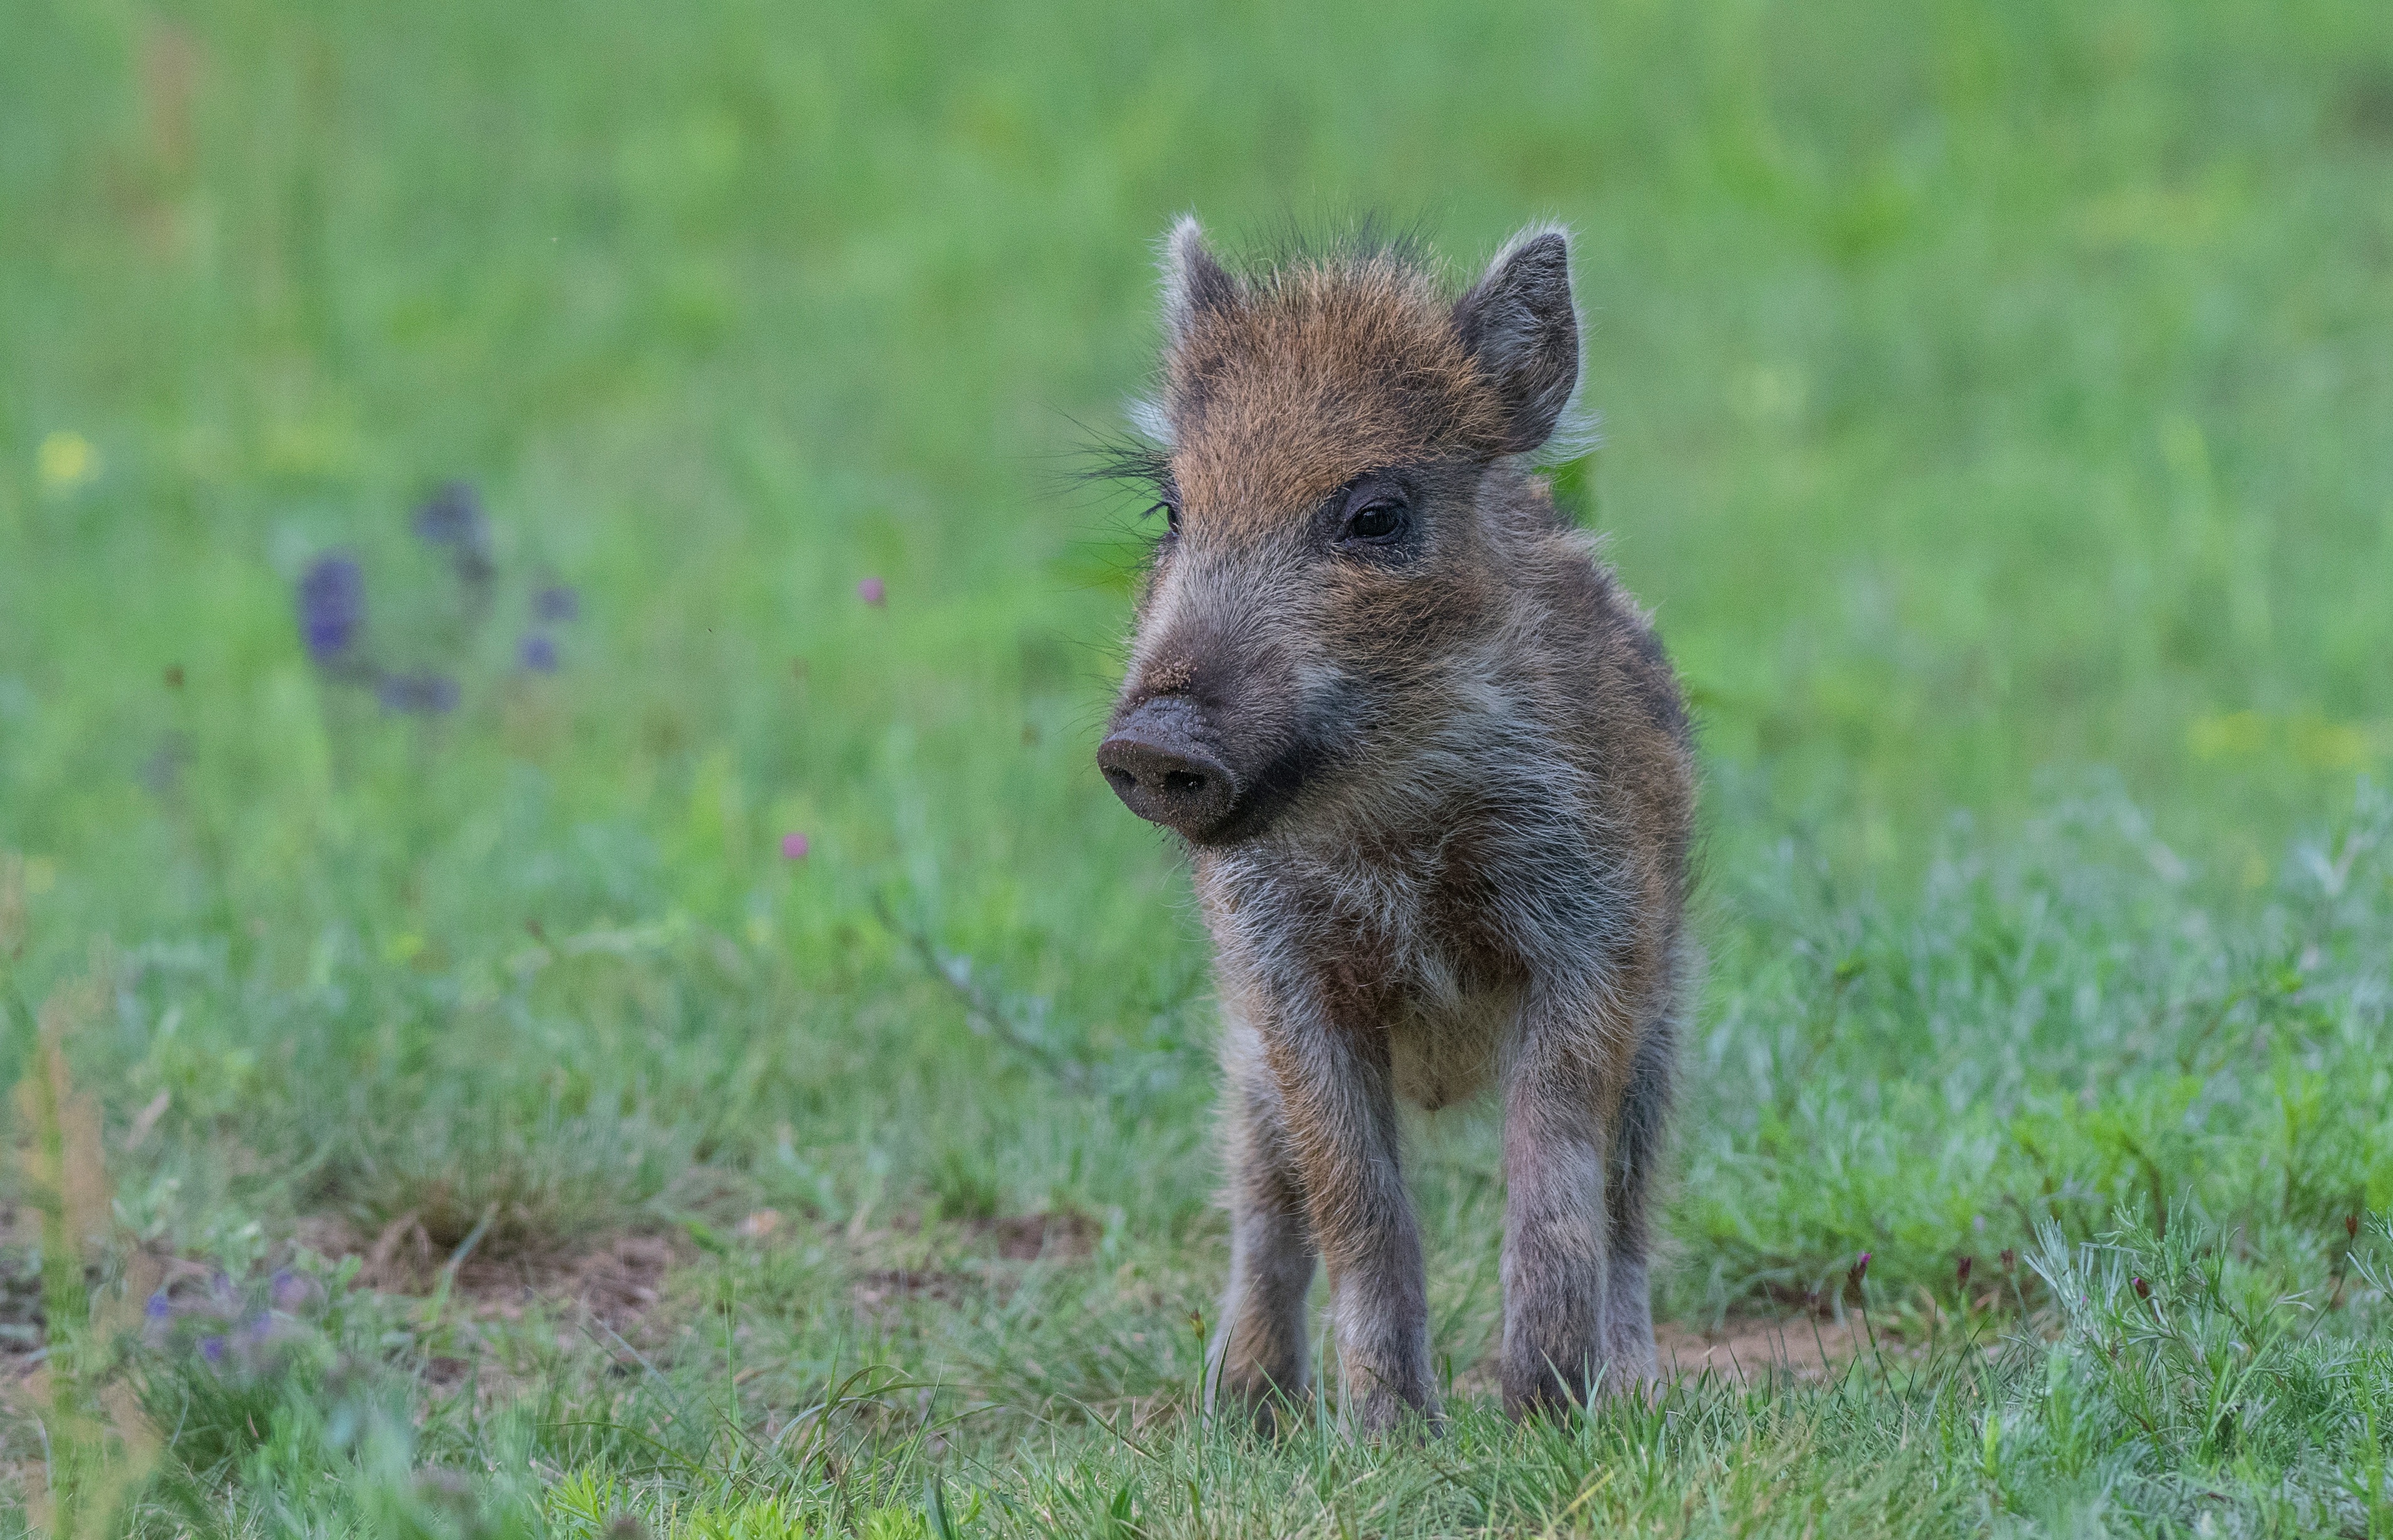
(1156, 764)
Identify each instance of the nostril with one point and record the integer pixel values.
(1158, 762)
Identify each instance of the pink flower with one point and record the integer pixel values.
(872, 590)
(794, 845)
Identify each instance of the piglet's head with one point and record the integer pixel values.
(1327, 564)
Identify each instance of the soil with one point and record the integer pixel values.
(1041, 1237)
(617, 1278)
(1014, 1238)
(1747, 1349)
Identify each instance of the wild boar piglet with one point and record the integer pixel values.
(1432, 767)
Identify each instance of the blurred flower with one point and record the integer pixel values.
(158, 1309)
(288, 1290)
(66, 461)
(416, 694)
(211, 1348)
(537, 653)
(452, 516)
(794, 846)
(556, 604)
(872, 590)
(332, 608)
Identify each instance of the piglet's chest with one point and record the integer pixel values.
(1408, 948)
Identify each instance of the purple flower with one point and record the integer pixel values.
(212, 1349)
(416, 694)
(794, 845)
(452, 516)
(454, 519)
(872, 590)
(332, 608)
(537, 653)
(556, 604)
(287, 1289)
(159, 1308)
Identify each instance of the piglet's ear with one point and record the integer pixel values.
(1194, 284)
(1518, 322)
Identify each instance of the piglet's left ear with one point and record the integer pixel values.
(1519, 324)
(1194, 284)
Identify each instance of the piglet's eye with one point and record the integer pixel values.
(1377, 522)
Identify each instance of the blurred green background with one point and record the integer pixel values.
(1987, 389)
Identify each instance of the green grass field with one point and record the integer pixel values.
(503, 1135)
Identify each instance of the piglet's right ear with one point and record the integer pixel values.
(1194, 284)
(1520, 326)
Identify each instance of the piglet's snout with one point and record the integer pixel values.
(1156, 762)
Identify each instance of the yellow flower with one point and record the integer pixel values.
(66, 461)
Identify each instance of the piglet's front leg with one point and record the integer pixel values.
(1257, 1359)
(1556, 1227)
(1336, 1091)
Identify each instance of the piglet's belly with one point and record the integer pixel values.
(1445, 1055)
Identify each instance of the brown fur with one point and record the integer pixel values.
(1454, 842)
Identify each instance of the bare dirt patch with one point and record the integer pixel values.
(882, 1290)
(1745, 1348)
(926, 1270)
(1041, 1237)
(616, 1278)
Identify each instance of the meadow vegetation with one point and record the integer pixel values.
(550, 653)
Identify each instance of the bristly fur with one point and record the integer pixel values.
(1369, 238)
(1135, 460)
(1438, 785)
(1292, 255)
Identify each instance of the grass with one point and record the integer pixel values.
(1994, 405)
